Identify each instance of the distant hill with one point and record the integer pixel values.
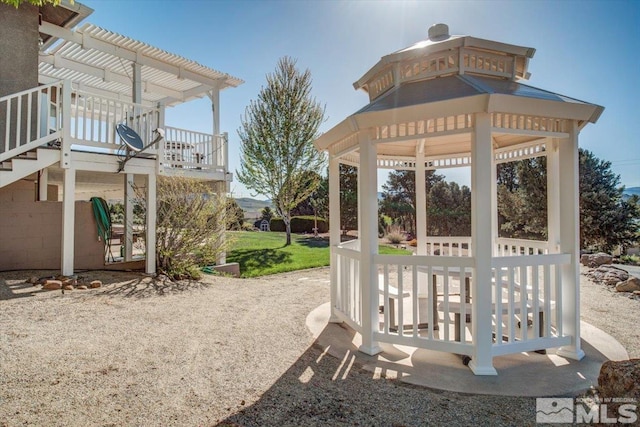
(252, 207)
(628, 192)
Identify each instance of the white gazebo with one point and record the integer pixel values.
(452, 101)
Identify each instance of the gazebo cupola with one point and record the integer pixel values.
(452, 101)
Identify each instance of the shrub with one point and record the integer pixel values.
(300, 224)
(395, 234)
(190, 226)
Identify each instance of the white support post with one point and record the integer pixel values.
(43, 184)
(136, 88)
(150, 241)
(368, 235)
(219, 153)
(421, 204)
(553, 195)
(65, 149)
(68, 220)
(421, 236)
(334, 231)
(494, 206)
(481, 237)
(218, 157)
(161, 144)
(570, 242)
(129, 197)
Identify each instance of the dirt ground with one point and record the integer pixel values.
(221, 351)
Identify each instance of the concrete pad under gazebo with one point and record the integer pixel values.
(453, 101)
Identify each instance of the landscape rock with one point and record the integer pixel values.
(632, 284)
(52, 285)
(68, 287)
(596, 260)
(620, 379)
(33, 280)
(82, 287)
(608, 274)
(95, 284)
(584, 259)
(69, 282)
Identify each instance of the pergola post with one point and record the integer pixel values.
(368, 235)
(570, 241)
(151, 225)
(68, 220)
(481, 236)
(334, 231)
(43, 184)
(129, 198)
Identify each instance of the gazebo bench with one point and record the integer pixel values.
(393, 295)
(456, 308)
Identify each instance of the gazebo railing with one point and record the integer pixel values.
(426, 301)
(449, 245)
(516, 247)
(416, 294)
(348, 304)
(527, 303)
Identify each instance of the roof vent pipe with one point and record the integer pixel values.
(439, 32)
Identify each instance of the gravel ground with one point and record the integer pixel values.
(221, 351)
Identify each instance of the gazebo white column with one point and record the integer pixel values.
(553, 195)
(481, 236)
(421, 236)
(421, 204)
(570, 241)
(368, 235)
(334, 230)
(129, 198)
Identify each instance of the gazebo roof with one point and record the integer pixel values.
(460, 86)
(101, 61)
(424, 97)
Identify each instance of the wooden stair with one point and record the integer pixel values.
(27, 163)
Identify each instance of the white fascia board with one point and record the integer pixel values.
(527, 52)
(335, 134)
(451, 107)
(96, 162)
(545, 108)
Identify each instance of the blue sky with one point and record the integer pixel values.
(589, 50)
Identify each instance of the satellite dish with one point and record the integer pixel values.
(131, 139)
(132, 143)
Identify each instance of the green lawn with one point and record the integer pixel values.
(260, 254)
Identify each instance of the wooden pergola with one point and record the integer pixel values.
(452, 101)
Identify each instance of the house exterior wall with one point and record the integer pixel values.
(18, 48)
(30, 232)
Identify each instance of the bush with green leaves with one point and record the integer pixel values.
(190, 226)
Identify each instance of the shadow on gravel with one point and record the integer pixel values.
(322, 390)
(17, 290)
(146, 287)
(114, 284)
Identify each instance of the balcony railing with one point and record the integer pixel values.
(77, 120)
(194, 150)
